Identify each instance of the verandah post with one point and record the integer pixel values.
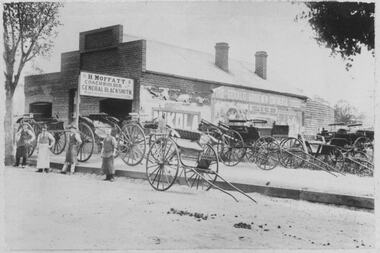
(78, 102)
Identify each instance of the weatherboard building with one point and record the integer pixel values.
(119, 74)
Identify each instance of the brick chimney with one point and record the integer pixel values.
(221, 55)
(261, 64)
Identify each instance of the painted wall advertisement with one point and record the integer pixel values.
(225, 103)
(98, 85)
(181, 110)
(232, 103)
(177, 118)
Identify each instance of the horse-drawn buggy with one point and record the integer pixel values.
(130, 136)
(353, 134)
(251, 139)
(337, 151)
(34, 123)
(180, 152)
(261, 141)
(355, 144)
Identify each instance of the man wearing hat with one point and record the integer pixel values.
(24, 138)
(72, 151)
(44, 142)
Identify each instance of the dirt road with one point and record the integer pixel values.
(54, 211)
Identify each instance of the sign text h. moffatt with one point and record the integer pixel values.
(99, 85)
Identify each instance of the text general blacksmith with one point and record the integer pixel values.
(105, 86)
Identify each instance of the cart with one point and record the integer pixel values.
(316, 154)
(190, 152)
(54, 126)
(228, 142)
(261, 143)
(357, 137)
(356, 161)
(130, 137)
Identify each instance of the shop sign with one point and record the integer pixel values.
(99, 85)
(178, 119)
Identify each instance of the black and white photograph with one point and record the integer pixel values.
(192, 126)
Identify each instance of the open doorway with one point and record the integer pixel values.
(118, 108)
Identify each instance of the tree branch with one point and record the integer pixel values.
(28, 26)
(43, 25)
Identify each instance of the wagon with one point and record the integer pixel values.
(357, 137)
(54, 126)
(130, 137)
(333, 156)
(261, 143)
(300, 151)
(228, 142)
(190, 152)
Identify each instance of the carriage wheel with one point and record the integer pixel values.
(336, 159)
(60, 142)
(207, 166)
(88, 142)
(162, 164)
(268, 151)
(32, 146)
(231, 148)
(251, 153)
(132, 144)
(361, 143)
(292, 154)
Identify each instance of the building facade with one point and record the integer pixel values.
(184, 84)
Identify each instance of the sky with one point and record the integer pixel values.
(294, 57)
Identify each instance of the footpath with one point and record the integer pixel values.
(299, 184)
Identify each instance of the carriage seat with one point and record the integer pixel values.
(151, 124)
(188, 140)
(185, 144)
(59, 125)
(339, 142)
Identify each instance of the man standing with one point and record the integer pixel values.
(72, 151)
(24, 138)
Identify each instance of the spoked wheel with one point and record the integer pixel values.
(231, 148)
(162, 164)
(60, 142)
(204, 174)
(132, 144)
(335, 159)
(292, 154)
(251, 153)
(88, 142)
(267, 153)
(361, 143)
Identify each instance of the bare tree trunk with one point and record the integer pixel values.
(8, 130)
